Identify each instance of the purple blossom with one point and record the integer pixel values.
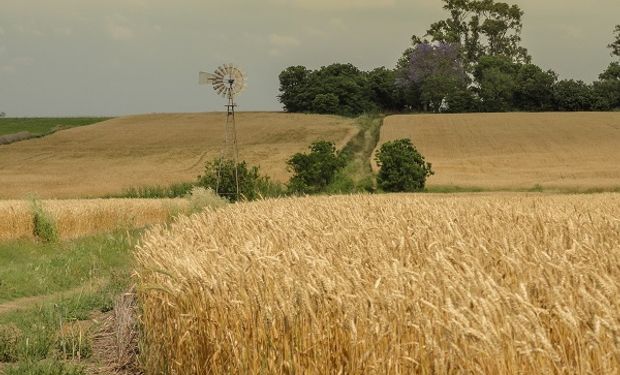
(429, 60)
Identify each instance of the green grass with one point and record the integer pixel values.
(29, 268)
(46, 367)
(44, 125)
(537, 188)
(178, 190)
(67, 282)
(357, 175)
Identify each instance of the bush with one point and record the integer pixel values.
(177, 190)
(224, 182)
(403, 168)
(325, 103)
(200, 198)
(44, 227)
(314, 171)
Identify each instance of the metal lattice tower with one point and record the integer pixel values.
(228, 81)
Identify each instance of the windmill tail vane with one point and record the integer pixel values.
(228, 81)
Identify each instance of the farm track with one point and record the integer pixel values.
(25, 303)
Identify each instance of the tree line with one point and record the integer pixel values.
(472, 61)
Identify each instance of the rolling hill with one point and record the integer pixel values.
(155, 149)
(576, 151)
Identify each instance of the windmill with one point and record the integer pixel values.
(228, 81)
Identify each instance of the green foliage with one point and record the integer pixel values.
(402, 167)
(615, 45)
(314, 171)
(534, 88)
(44, 227)
(177, 190)
(48, 367)
(385, 92)
(496, 76)
(571, 95)
(325, 103)
(89, 272)
(482, 28)
(220, 176)
(339, 89)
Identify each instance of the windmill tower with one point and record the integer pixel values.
(228, 81)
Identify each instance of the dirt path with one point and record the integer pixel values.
(28, 302)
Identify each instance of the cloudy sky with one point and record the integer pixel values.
(115, 57)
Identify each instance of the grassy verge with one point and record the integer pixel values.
(51, 296)
(451, 189)
(29, 268)
(178, 190)
(42, 126)
(357, 175)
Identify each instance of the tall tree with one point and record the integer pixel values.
(436, 70)
(496, 79)
(615, 45)
(534, 88)
(294, 82)
(481, 27)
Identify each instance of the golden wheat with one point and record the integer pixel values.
(75, 218)
(158, 149)
(575, 151)
(493, 284)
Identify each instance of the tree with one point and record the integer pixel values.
(346, 82)
(571, 95)
(615, 45)
(402, 167)
(294, 84)
(2, 115)
(496, 77)
(219, 175)
(325, 103)
(312, 172)
(606, 91)
(480, 27)
(304, 90)
(384, 90)
(436, 71)
(534, 88)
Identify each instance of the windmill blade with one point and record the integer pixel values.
(205, 78)
(220, 72)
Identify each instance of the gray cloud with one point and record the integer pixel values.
(137, 56)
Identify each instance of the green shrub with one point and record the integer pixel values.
(403, 168)
(44, 227)
(178, 190)
(219, 175)
(314, 171)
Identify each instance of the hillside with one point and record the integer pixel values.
(516, 150)
(132, 151)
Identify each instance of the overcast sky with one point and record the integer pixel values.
(116, 57)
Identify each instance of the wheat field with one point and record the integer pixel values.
(158, 149)
(574, 151)
(77, 218)
(393, 284)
